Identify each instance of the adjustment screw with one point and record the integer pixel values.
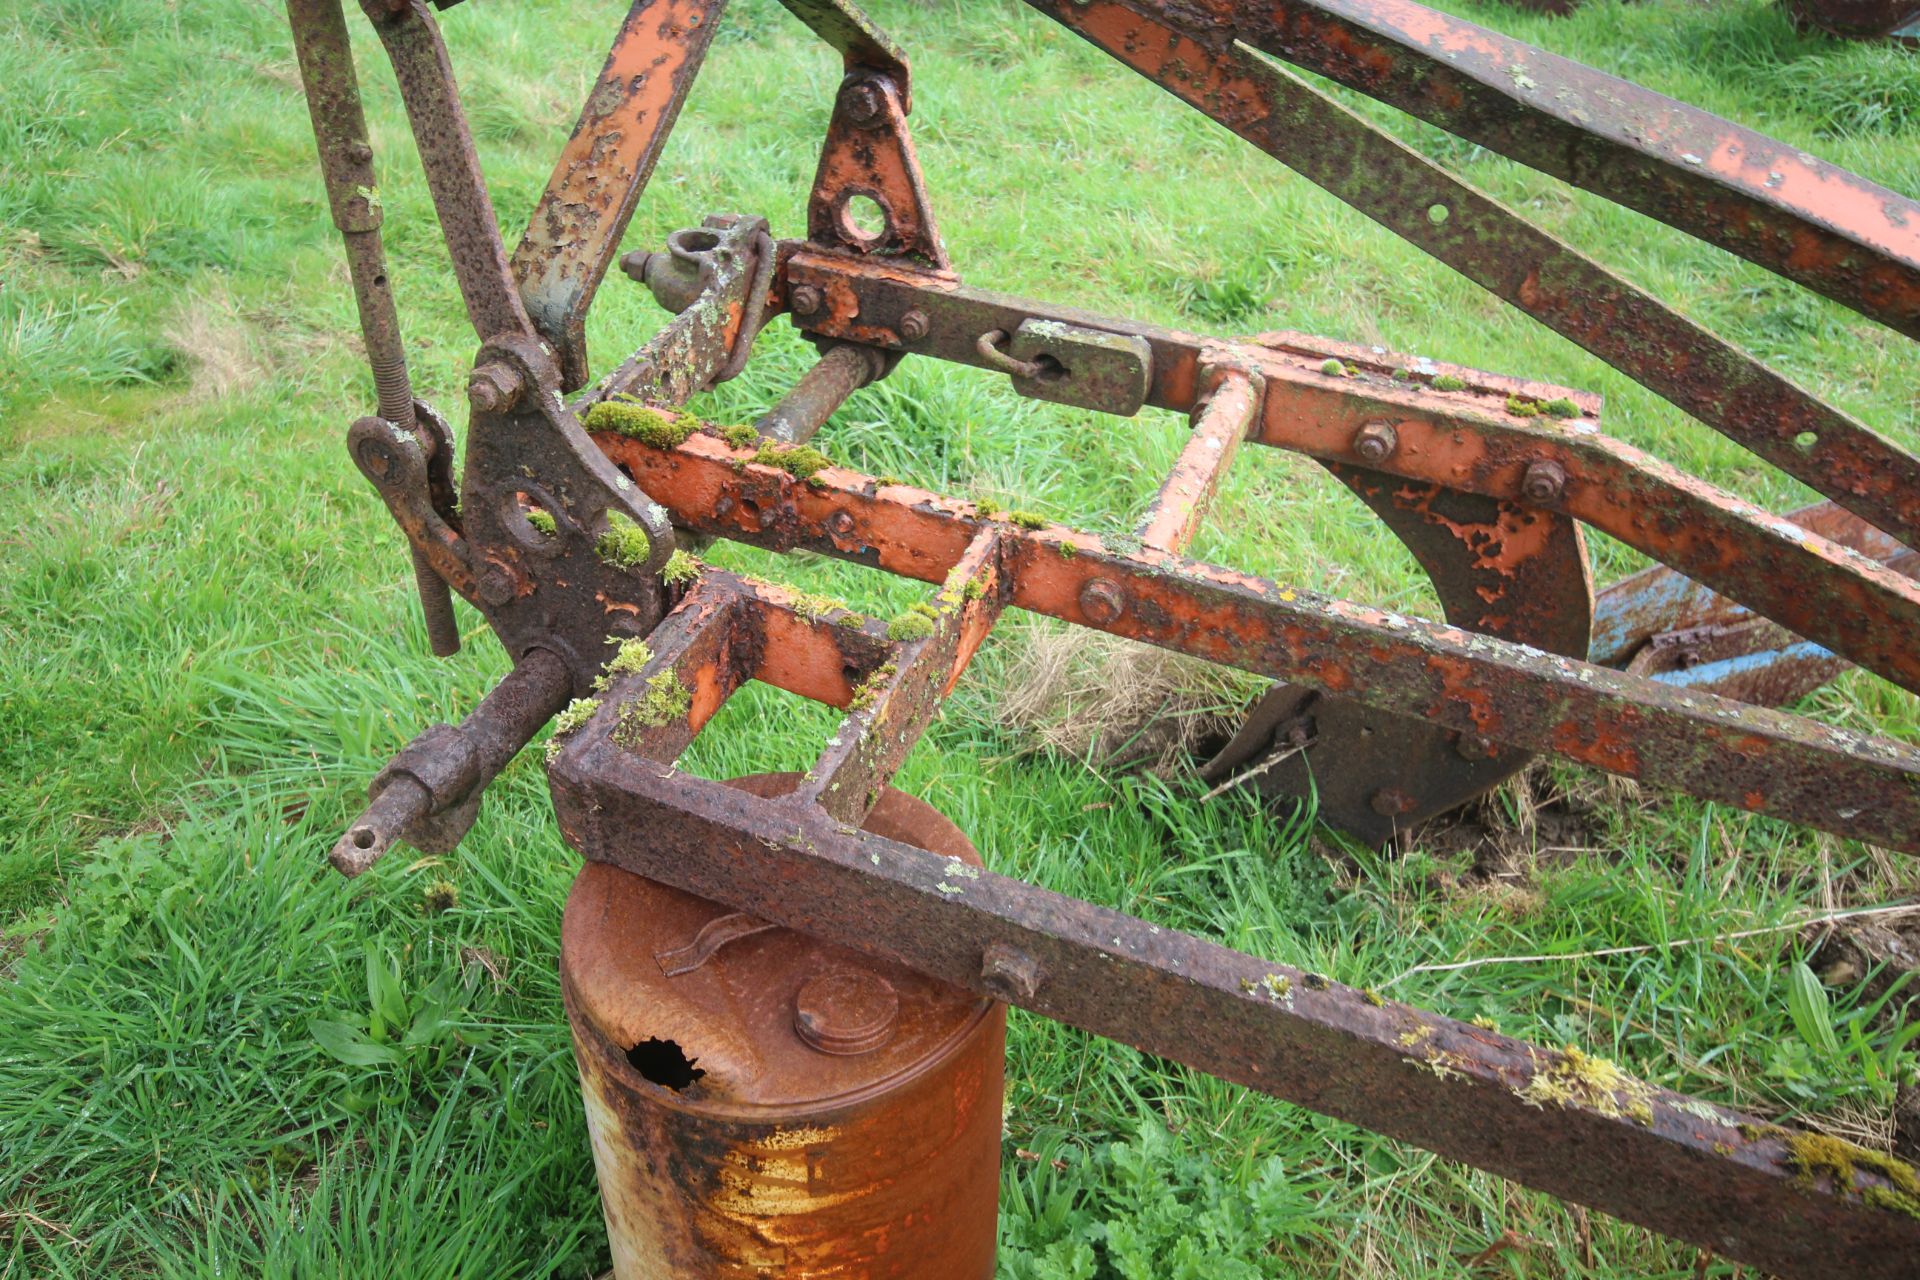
(1009, 973)
(494, 387)
(804, 299)
(496, 586)
(1102, 601)
(862, 103)
(1375, 442)
(1544, 482)
(913, 325)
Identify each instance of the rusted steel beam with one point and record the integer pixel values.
(1661, 624)
(346, 162)
(576, 228)
(852, 34)
(657, 696)
(1224, 418)
(1562, 1122)
(1852, 240)
(894, 706)
(452, 167)
(1753, 758)
(1470, 441)
(1196, 56)
(1462, 431)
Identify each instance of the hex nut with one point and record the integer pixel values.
(1543, 482)
(1375, 442)
(494, 387)
(1102, 601)
(804, 299)
(862, 103)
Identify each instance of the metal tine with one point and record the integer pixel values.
(1221, 422)
(893, 707)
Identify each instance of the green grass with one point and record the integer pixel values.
(208, 645)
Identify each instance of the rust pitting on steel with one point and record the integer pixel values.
(568, 545)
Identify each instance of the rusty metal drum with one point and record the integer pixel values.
(763, 1104)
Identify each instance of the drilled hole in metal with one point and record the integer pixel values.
(1437, 213)
(664, 1063)
(1805, 441)
(363, 837)
(863, 220)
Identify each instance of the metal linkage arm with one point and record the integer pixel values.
(420, 65)
(576, 228)
(1198, 55)
(1686, 1167)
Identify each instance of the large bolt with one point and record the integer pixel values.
(840, 523)
(493, 388)
(1102, 601)
(1544, 482)
(635, 265)
(804, 299)
(496, 586)
(1475, 746)
(862, 103)
(1009, 973)
(913, 325)
(1375, 442)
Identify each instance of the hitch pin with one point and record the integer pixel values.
(429, 792)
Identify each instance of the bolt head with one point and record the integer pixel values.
(1009, 973)
(493, 387)
(914, 325)
(1375, 442)
(804, 299)
(634, 265)
(1102, 601)
(496, 586)
(1475, 746)
(1543, 482)
(862, 103)
(840, 523)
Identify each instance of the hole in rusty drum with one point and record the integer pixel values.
(664, 1063)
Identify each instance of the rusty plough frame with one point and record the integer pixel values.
(564, 536)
